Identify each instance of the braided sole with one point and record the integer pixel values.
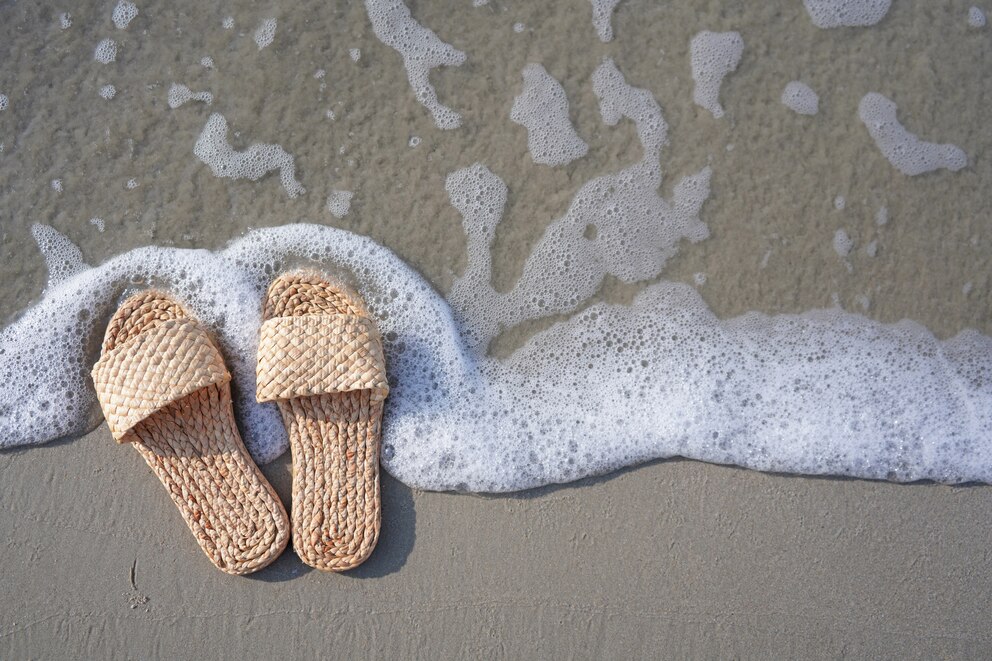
(334, 439)
(194, 448)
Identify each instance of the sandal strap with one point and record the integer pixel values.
(160, 365)
(316, 354)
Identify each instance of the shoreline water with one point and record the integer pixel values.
(676, 558)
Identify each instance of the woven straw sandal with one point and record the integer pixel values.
(164, 389)
(320, 358)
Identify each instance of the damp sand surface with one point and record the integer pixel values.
(673, 558)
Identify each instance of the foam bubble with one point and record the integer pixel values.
(414, 141)
(207, 62)
(602, 18)
(98, 223)
(4, 102)
(355, 54)
(57, 185)
(903, 149)
(421, 50)
(65, 20)
(180, 94)
(108, 92)
(339, 202)
(840, 202)
(800, 98)
(713, 55)
(846, 13)
(699, 279)
(480, 3)
(542, 108)
(519, 27)
(253, 163)
(825, 392)
(265, 33)
(106, 51)
(131, 184)
(227, 23)
(976, 18)
(124, 13)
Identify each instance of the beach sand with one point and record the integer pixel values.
(671, 559)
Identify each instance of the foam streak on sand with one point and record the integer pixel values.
(908, 153)
(422, 50)
(616, 224)
(253, 163)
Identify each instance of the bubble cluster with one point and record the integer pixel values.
(602, 18)
(265, 33)
(180, 94)
(421, 50)
(846, 13)
(4, 102)
(108, 92)
(253, 163)
(824, 392)
(542, 108)
(903, 149)
(65, 20)
(106, 51)
(713, 56)
(124, 13)
(800, 98)
(843, 244)
(339, 203)
(976, 17)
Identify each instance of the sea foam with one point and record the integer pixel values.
(826, 392)
(602, 18)
(846, 13)
(422, 51)
(908, 153)
(713, 56)
(542, 108)
(253, 163)
(606, 386)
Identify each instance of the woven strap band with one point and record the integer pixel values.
(315, 354)
(158, 366)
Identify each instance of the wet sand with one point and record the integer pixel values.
(671, 559)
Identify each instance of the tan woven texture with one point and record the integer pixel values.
(164, 388)
(320, 357)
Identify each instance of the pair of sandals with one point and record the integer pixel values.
(164, 388)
